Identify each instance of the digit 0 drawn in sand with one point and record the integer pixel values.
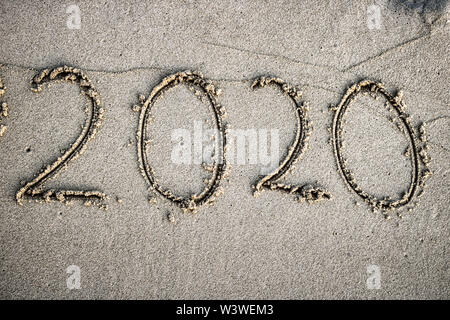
(417, 154)
(3, 109)
(305, 192)
(219, 170)
(34, 188)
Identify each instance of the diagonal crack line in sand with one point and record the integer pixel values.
(445, 15)
(276, 56)
(436, 119)
(383, 53)
(432, 27)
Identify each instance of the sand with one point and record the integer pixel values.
(378, 165)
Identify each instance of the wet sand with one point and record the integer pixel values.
(382, 158)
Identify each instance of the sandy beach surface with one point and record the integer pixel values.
(138, 244)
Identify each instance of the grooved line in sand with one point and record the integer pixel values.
(305, 192)
(3, 109)
(417, 156)
(34, 188)
(212, 189)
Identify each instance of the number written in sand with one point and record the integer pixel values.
(34, 188)
(305, 192)
(403, 124)
(219, 169)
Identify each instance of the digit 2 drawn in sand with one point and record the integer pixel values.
(305, 192)
(373, 88)
(212, 189)
(34, 188)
